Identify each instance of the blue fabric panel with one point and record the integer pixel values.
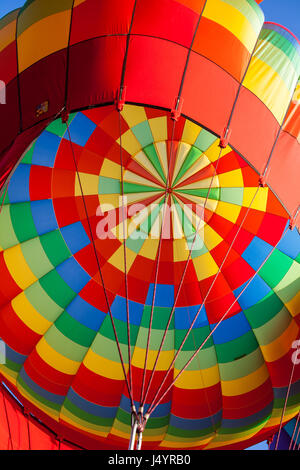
(43, 216)
(85, 313)
(18, 189)
(45, 149)
(75, 237)
(73, 274)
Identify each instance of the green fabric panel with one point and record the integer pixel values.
(57, 289)
(143, 133)
(270, 331)
(74, 330)
(196, 336)
(59, 128)
(151, 153)
(22, 221)
(106, 330)
(188, 433)
(64, 345)
(232, 195)
(107, 348)
(89, 418)
(109, 185)
(36, 257)
(55, 247)
(235, 349)
(204, 140)
(160, 317)
(288, 287)
(40, 300)
(275, 268)
(247, 428)
(193, 155)
(264, 310)
(136, 241)
(138, 188)
(155, 339)
(7, 234)
(205, 359)
(28, 155)
(241, 367)
(281, 43)
(214, 193)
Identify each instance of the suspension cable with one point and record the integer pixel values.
(65, 119)
(293, 435)
(144, 396)
(207, 294)
(154, 405)
(125, 257)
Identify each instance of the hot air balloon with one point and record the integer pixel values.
(149, 262)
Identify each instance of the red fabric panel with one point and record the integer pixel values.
(209, 98)
(284, 171)
(154, 70)
(174, 22)
(102, 22)
(95, 69)
(43, 81)
(8, 63)
(253, 129)
(9, 113)
(221, 46)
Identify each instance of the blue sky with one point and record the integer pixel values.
(285, 12)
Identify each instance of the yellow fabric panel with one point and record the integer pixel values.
(104, 367)
(214, 150)
(269, 87)
(228, 211)
(45, 42)
(180, 250)
(211, 237)
(117, 259)
(205, 266)
(130, 142)
(233, 20)
(293, 305)
(161, 150)
(190, 132)
(55, 359)
(29, 315)
(89, 184)
(231, 179)
(159, 128)
(245, 384)
(110, 169)
(281, 345)
(182, 152)
(18, 268)
(149, 248)
(7, 35)
(194, 379)
(260, 201)
(163, 363)
(133, 115)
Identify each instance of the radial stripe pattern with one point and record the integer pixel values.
(61, 349)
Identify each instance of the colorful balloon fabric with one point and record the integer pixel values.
(134, 233)
(288, 438)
